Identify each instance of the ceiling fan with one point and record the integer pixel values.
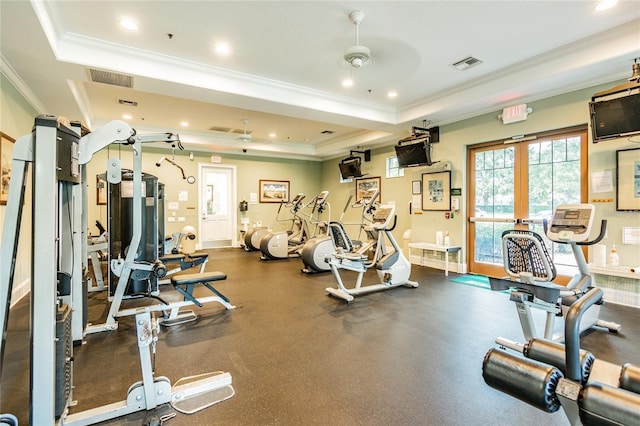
(244, 136)
(357, 56)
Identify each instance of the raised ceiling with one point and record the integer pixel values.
(286, 65)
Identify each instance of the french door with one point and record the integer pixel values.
(515, 185)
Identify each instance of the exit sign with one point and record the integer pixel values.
(515, 113)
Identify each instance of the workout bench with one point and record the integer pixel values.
(186, 261)
(184, 284)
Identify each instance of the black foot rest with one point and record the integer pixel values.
(184, 283)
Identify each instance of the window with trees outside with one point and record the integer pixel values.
(393, 168)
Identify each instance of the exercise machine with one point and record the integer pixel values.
(528, 262)
(392, 267)
(550, 375)
(286, 244)
(315, 250)
(97, 249)
(58, 155)
(251, 240)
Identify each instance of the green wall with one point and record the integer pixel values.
(302, 175)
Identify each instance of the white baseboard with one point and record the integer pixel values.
(621, 297)
(20, 291)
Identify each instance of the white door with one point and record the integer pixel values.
(216, 206)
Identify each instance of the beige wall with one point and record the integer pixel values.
(16, 120)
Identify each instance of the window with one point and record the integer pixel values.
(393, 169)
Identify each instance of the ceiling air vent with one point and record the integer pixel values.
(220, 129)
(466, 63)
(241, 131)
(111, 78)
(127, 103)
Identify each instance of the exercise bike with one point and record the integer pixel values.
(527, 261)
(393, 268)
(285, 244)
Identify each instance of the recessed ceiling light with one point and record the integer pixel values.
(128, 24)
(127, 117)
(184, 123)
(222, 48)
(392, 94)
(605, 4)
(272, 135)
(347, 82)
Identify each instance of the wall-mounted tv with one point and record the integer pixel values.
(350, 168)
(414, 154)
(615, 118)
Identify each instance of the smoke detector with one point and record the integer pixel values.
(357, 55)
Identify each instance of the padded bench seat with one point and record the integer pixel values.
(184, 284)
(168, 258)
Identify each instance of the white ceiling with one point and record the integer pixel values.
(285, 71)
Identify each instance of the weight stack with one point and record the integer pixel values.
(64, 353)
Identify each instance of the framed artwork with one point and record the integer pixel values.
(628, 179)
(436, 191)
(101, 191)
(274, 191)
(416, 187)
(6, 157)
(366, 184)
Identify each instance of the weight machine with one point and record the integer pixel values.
(58, 279)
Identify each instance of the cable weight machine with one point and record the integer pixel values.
(58, 154)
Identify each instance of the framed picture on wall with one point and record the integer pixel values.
(436, 191)
(101, 191)
(274, 191)
(628, 179)
(366, 184)
(6, 157)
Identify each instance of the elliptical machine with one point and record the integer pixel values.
(317, 248)
(527, 260)
(392, 267)
(253, 237)
(285, 244)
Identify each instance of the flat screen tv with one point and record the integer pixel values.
(414, 155)
(350, 168)
(615, 118)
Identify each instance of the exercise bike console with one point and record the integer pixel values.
(571, 222)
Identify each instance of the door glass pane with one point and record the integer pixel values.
(554, 180)
(488, 241)
(494, 183)
(494, 197)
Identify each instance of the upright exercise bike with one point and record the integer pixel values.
(393, 268)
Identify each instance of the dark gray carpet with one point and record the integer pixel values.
(401, 357)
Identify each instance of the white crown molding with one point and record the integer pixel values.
(21, 86)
